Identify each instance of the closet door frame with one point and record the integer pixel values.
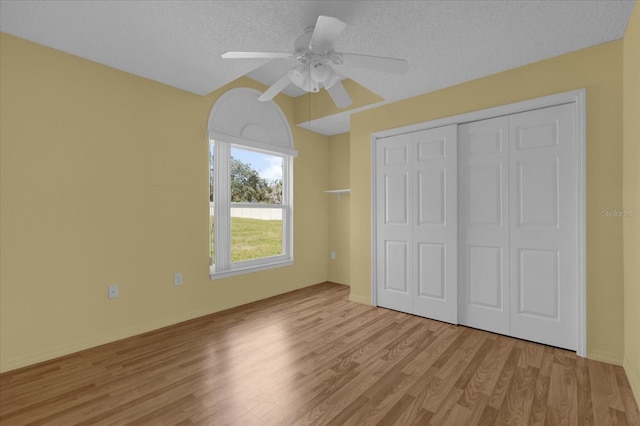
(577, 97)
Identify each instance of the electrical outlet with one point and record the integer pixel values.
(177, 278)
(333, 255)
(113, 291)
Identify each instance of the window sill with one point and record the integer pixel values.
(249, 269)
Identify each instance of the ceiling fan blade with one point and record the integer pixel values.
(339, 95)
(275, 88)
(378, 63)
(325, 33)
(255, 55)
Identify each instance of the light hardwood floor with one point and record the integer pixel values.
(312, 357)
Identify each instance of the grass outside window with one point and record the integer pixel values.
(251, 238)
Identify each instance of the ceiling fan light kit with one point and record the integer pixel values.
(314, 51)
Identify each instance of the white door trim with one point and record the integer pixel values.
(578, 97)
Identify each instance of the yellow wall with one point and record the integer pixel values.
(631, 190)
(599, 70)
(104, 181)
(339, 210)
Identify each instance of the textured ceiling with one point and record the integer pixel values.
(446, 42)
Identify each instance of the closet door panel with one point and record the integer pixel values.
(484, 225)
(431, 271)
(394, 223)
(435, 223)
(543, 235)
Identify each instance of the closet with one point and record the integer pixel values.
(477, 224)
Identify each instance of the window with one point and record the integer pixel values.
(251, 159)
(250, 209)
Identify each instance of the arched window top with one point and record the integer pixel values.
(238, 117)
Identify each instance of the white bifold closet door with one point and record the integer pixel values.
(484, 224)
(416, 202)
(544, 226)
(518, 225)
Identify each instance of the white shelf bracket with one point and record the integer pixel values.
(338, 192)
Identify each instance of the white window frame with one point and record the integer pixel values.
(222, 266)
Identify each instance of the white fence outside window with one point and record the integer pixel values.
(261, 213)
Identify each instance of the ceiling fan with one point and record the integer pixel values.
(315, 54)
